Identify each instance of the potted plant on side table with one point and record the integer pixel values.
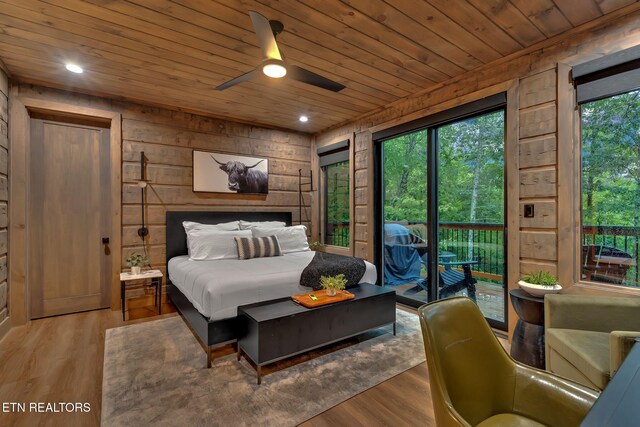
(136, 261)
(539, 284)
(332, 284)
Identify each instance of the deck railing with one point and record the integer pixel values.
(486, 241)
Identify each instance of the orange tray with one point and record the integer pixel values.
(323, 298)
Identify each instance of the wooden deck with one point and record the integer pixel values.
(490, 297)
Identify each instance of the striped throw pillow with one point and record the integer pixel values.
(258, 247)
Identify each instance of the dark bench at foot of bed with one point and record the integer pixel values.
(274, 330)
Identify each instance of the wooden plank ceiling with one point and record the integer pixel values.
(173, 53)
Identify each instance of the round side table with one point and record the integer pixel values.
(527, 345)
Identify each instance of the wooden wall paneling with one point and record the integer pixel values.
(545, 15)
(538, 151)
(512, 196)
(349, 24)
(302, 19)
(538, 120)
(538, 182)
(4, 215)
(530, 266)
(4, 112)
(616, 32)
(4, 79)
(385, 50)
(587, 11)
(5, 321)
(3, 274)
(449, 53)
(508, 17)
(537, 124)
(538, 89)
(371, 168)
(568, 180)
(140, 35)
(467, 16)
(19, 134)
(545, 214)
(197, 20)
(539, 245)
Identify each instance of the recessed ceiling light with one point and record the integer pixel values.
(304, 119)
(74, 68)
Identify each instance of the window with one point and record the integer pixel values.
(334, 161)
(610, 182)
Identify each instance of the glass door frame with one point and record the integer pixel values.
(483, 106)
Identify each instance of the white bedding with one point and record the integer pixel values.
(216, 288)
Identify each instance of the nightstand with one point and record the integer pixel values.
(156, 282)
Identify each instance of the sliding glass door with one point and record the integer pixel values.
(471, 211)
(445, 184)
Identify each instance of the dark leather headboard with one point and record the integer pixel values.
(177, 238)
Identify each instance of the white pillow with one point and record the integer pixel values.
(208, 244)
(248, 225)
(225, 226)
(291, 239)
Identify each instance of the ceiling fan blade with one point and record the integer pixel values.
(306, 76)
(265, 35)
(243, 78)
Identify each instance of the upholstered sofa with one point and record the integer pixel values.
(588, 337)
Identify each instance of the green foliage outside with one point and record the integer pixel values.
(611, 173)
(337, 204)
(470, 187)
(611, 161)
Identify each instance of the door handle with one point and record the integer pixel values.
(105, 240)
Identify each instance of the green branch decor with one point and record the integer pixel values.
(333, 283)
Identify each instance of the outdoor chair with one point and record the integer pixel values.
(474, 381)
(605, 263)
(405, 254)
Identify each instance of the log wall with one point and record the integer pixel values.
(535, 71)
(4, 197)
(167, 139)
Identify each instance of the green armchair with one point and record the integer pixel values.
(475, 382)
(587, 337)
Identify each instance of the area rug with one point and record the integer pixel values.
(155, 374)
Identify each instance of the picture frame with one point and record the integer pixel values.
(215, 172)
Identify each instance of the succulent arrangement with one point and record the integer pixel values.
(541, 278)
(137, 260)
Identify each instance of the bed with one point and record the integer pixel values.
(207, 293)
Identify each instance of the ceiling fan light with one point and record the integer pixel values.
(274, 69)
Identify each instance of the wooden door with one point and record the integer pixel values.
(69, 267)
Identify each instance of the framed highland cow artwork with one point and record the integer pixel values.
(229, 173)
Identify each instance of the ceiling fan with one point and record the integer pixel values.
(273, 64)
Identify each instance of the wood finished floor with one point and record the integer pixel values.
(59, 359)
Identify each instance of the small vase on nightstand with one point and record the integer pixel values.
(331, 292)
(135, 270)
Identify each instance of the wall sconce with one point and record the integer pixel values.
(142, 183)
